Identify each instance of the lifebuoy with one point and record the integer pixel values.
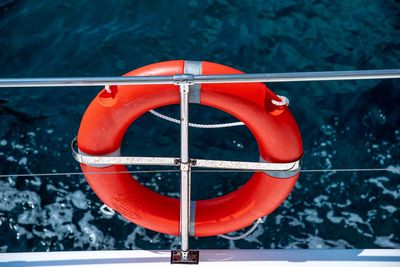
(111, 113)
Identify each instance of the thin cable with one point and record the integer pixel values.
(81, 173)
(197, 125)
(393, 170)
(354, 170)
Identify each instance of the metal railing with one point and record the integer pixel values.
(184, 81)
(194, 79)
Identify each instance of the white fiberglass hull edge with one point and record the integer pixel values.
(247, 258)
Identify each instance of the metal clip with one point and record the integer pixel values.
(180, 79)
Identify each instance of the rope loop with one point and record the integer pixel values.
(284, 101)
(106, 210)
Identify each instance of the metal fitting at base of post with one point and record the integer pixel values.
(185, 257)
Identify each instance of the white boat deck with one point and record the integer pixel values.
(232, 258)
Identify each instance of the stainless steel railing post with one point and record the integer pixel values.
(185, 170)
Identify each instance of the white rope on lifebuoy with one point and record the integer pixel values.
(284, 102)
(247, 233)
(197, 125)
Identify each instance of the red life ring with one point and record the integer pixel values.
(110, 114)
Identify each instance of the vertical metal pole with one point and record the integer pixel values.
(184, 255)
(185, 171)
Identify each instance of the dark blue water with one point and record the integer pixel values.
(349, 124)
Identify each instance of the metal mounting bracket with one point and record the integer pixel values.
(191, 257)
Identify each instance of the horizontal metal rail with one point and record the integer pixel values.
(106, 161)
(244, 165)
(301, 76)
(194, 163)
(194, 79)
(165, 161)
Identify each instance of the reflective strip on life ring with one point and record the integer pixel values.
(274, 128)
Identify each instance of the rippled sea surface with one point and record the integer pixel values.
(348, 124)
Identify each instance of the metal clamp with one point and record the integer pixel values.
(185, 167)
(184, 79)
